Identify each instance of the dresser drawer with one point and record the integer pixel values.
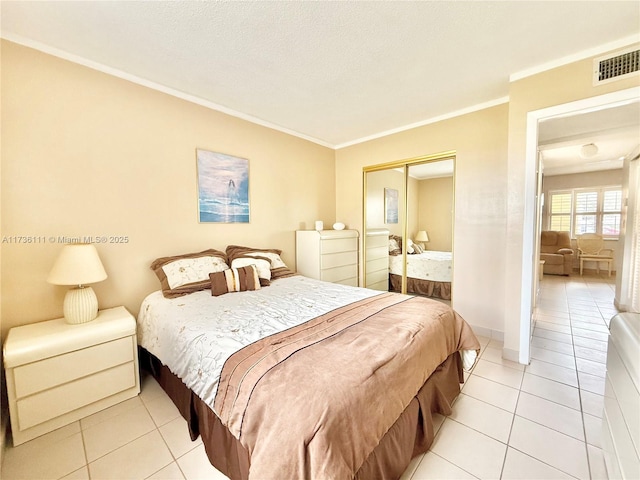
(378, 264)
(50, 372)
(57, 401)
(333, 260)
(377, 252)
(352, 282)
(377, 277)
(339, 273)
(339, 245)
(378, 241)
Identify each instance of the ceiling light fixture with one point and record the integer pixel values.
(589, 150)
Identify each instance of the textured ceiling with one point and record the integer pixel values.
(332, 72)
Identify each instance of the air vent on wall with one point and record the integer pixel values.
(616, 66)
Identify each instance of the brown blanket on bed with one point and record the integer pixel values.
(315, 400)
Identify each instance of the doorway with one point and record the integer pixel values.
(532, 227)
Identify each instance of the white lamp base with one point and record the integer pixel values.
(80, 305)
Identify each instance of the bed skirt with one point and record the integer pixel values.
(410, 435)
(422, 287)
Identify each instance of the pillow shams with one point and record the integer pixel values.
(278, 268)
(234, 280)
(183, 274)
(263, 266)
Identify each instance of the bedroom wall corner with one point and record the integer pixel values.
(85, 153)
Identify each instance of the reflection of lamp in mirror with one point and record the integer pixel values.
(422, 238)
(78, 264)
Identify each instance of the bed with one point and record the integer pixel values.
(298, 365)
(428, 273)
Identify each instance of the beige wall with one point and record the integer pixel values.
(435, 212)
(376, 183)
(480, 141)
(85, 153)
(558, 86)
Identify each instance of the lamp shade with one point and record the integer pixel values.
(422, 236)
(77, 264)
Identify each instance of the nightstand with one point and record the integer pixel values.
(58, 373)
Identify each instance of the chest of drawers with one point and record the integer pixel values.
(329, 255)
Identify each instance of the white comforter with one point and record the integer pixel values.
(193, 335)
(430, 265)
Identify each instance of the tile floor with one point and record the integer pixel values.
(541, 421)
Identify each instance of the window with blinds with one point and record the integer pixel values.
(593, 210)
(560, 211)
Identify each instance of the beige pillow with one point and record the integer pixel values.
(278, 268)
(263, 266)
(183, 274)
(235, 280)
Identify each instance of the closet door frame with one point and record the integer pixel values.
(404, 164)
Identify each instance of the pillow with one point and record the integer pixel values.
(278, 268)
(183, 274)
(263, 266)
(410, 246)
(417, 248)
(234, 280)
(394, 246)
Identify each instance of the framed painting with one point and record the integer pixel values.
(390, 205)
(223, 188)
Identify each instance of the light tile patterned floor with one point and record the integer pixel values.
(541, 421)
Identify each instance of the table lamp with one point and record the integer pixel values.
(78, 264)
(422, 237)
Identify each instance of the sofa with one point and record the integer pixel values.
(556, 251)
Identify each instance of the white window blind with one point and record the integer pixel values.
(560, 211)
(593, 210)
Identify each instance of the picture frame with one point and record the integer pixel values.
(390, 205)
(223, 188)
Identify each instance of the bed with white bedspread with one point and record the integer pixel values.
(299, 366)
(428, 273)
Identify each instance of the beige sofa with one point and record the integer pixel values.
(556, 251)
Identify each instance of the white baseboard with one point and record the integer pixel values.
(488, 332)
(507, 353)
(512, 355)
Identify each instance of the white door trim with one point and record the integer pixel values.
(585, 105)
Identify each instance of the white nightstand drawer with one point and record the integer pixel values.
(47, 373)
(57, 401)
(339, 245)
(338, 259)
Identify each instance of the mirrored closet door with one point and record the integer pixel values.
(410, 251)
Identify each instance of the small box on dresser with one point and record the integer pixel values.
(58, 373)
(329, 255)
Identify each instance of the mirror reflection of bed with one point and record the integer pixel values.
(429, 196)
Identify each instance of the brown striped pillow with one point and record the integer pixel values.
(235, 280)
